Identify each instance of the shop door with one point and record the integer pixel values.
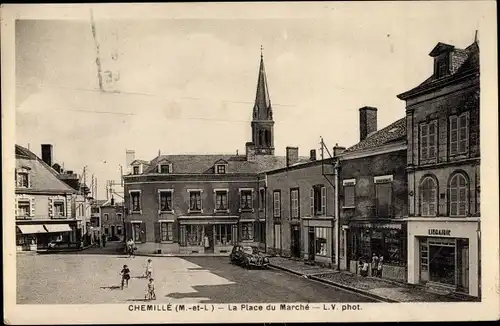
(112, 231)
(312, 241)
(463, 265)
(209, 235)
(295, 241)
(442, 264)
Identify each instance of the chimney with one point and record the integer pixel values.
(57, 167)
(129, 157)
(292, 155)
(69, 172)
(367, 121)
(312, 155)
(47, 154)
(250, 151)
(337, 150)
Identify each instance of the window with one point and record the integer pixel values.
(195, 200)
(194, 235)
(318, 200)
(246, 199)
(106, 216)
(165, 201)
(277, 203)
(262, 199)
(428, 197)
(349, 193)
(136, 232)
(459, 134)
(321, 243)
(119, 230)
(221, 168)
(223, 234)
(442, 66)
(166, 230)
(119, 216)
(23, 179)
(136, 201)
(135, 170)
(165, 168)
(383, 193)
(428, 140)
(221, 200)
(277, 236)
(458, 195)
(394, 241)
(58, 209)
(106, 231)
(247, 231)
(23, 208)
(294, 202)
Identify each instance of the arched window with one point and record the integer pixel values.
(428, 197)
(261, 137)
(266, 137)
(458, 195)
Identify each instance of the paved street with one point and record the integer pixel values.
(88, 278)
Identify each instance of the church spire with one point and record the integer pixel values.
(262, 106)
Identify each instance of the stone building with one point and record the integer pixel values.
(112, 220)
(442, 116)
(204, 203)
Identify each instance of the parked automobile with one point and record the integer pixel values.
(248, 257)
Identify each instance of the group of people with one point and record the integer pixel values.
(377, 264)
(150, 289)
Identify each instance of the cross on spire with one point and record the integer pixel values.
(261, 49)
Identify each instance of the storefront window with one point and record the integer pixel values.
(194, 235)
(321, 243)
(223, 235)
(247, 231)
(392, 248)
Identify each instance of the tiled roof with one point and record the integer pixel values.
(204, 164)
(42, 176)
(463, 61)
(393, 132)
(140, 162)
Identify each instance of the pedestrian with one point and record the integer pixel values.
(130, 247)
(125, 273)
(374, 264)
(150, 290)
(149, 269)
(206, 242)
(104, 240)
(380, 266)
(364, 267)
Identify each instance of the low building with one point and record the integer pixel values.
(43, 202)
(442, 116)
(373, 197)
(112, 220)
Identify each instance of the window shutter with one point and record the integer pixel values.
(453, 135)
(323, 201)
(51, 207)
(142, 235)
(32, 206)
(312, 201)
(463, 133)
(432, 134)
(251, 200)
(242, 204)
(157, 232)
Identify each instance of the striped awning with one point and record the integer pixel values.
(31, 228)
(55, 228)
(397, 226)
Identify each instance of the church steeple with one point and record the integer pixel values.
(262, 121)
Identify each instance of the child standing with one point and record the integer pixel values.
(150, 291)
(125, 273)
(149, 269)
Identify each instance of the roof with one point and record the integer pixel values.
(204, 164)
(99, 202)
(463, 62)
(394, 132)
(139, 162)
(42, 176)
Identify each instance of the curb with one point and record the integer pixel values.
(338, 285)
(178, 255)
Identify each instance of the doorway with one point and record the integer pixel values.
(442, 264)
(296, 241)
(208, 240)
(112, 231)
(312, 242)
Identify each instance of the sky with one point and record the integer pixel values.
(187, 84)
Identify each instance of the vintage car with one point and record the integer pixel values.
(248, 257)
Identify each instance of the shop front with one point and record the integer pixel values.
(207, 235)
(384, 239)
(319, 240)
(33, 236)
(444, 254)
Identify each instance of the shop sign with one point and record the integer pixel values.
(439, 232)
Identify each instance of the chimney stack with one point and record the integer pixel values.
(47, 154)
(312, 155)
(367, 121)
(292, 155)
(250, 151)
(337, 150)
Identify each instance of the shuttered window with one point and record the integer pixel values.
(428, 197)
(428, 140)
(459, 134)
(349, 196)
(277, 203)
(458, 195)
(294, 203)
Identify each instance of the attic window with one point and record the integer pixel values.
(442, 65)
(164, 168)
(220, 168)
(23, 178)
(135, 170)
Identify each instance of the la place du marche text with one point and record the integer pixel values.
(246, 307)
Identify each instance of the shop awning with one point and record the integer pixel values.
(52, 228)
(396, 226)
(31, 228)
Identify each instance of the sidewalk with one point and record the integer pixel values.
(378, 289)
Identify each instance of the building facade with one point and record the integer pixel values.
(43, 203)
(112, 220)
(301, 211)
(203, 203)
(443, 161)
(373, 197)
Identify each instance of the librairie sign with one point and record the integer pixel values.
(439, 232)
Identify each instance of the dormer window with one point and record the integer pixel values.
(442, 66)
(135, 170)
(23, 178)
(221, 168)
(164, 168)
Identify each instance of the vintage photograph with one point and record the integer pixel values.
(228, 164)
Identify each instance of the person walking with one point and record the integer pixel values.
(150, 290)
(380, 265)
(149, 269)
(364, 266)
(130, 247)
(125, 273)
(206, 242)
(374, 264)
(104, 240)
